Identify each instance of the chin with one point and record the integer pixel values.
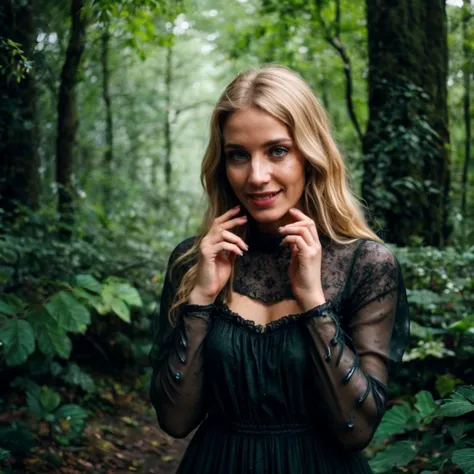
(269, 216)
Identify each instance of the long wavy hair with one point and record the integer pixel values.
(327, 198)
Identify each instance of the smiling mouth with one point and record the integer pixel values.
(263, 197)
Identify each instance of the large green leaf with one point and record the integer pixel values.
(425, 404)
(89, 283)
(394, 422)
(18, 339)
(129, 294)
(52, 339)
(71, 315)
(395, 455)
(121, 309)
(464, 458)
(456, 405)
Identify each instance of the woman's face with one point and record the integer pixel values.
(263, 166)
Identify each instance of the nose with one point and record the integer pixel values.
(259, 172)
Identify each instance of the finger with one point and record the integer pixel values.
(303, 231)
(235, 239)
(227, 215)
(308, 223)
(297, 214)
(219, 232)
(233, 222)
(228, 247)
(296, 240)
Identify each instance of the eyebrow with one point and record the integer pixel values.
(276, 141)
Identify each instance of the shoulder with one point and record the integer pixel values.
(182, 248)
(178, 269)
(375, 271)
(371, 252)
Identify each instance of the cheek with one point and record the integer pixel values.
(232, 178)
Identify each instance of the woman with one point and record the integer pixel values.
(279, 322)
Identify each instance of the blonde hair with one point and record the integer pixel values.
(327, 196)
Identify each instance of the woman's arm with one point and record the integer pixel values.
(351, 367)
(177, 359)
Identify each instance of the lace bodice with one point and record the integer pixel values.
(351, 340)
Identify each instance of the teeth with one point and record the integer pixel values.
(264, 196)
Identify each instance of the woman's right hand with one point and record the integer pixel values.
(217, 253)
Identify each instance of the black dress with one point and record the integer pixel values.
(303, 394)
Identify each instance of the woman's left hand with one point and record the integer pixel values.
(306, 255)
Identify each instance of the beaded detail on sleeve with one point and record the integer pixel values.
(177, 359)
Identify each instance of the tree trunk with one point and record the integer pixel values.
(168, 142)
(19, 163)
(67, 119)
(109, 137)
(406, 146)
(467, 12)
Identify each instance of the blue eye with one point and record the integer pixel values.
(237, 155)
(279, 151)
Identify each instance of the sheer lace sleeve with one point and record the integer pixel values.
(176, 357)
(351, 349)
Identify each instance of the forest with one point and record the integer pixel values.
(104, 117)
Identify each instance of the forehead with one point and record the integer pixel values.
(253, 125)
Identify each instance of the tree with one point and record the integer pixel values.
(19, 163)
(67, 117)
(406, 177)
(467, 71)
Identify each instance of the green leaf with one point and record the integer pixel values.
(75, 376)
(4, 454)
(467, 391)
(16, 438)
(425, 404)
(394, 422)
(395, 455)
(52, 339)
(121, 309)
(50, 400)
(445, 384)
(71, 315)
(33, 400)
(129, 294)
(18, 339)
(458, 428)
(456, 405)
(71, 420)
(464, 458)
(88, 298)
(89, 283)
(10, 305)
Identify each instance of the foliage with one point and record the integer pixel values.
(405, 131)
(432, 434)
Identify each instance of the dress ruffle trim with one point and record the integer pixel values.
(226, 313)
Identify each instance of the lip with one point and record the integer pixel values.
(263, 202)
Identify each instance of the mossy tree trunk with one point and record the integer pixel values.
(406, 146)
(19, 159)
(67, 119)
